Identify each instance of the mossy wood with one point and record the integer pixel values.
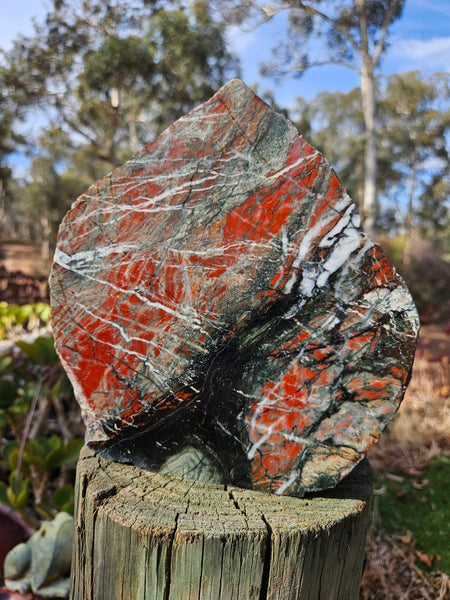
(143, 535)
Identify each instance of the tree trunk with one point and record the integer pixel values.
(370, 150)
(45, 234)
(412, 185)
(142, 535)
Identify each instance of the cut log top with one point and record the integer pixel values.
(146, 535)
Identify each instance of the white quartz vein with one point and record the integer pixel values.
(125, 336)
(309, 237)
(84, 257)
(194, 321)
(267, 433)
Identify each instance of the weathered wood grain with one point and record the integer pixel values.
(142, 535)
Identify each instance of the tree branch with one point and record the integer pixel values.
(363, 29)
(270, 12)
(321, 63)
(380, 44)
(78, 129)
(313, 11)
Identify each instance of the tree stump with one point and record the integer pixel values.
(143, 535)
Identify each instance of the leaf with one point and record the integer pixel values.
(63, 498)
(7, 449)
(66, 455)
(15, 480)
(54, 442)
(407, 538)
(68, 507)
(3, 494)
(424, 558)
(17, 491)
(41, 351)
(5, 363)
(11, 454)
(11, 497)
(45, 512)
(36, 448)
(43, 311)
(22, 497)
(8, 392)
(34, 459)
(22, 313)
(18, 409)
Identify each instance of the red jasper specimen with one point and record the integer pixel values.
(216, 291)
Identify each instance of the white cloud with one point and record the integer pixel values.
(432, 54)
(238, 39)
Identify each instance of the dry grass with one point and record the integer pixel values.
(391, 572)
(419, 432)
(421, 429)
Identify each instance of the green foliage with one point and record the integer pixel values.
(419, 505)
(15, 494)
(414, 125)
(17, 390)
(16, 318)
(9, 140)
(39, 459)
(107, 78)
(413, 153)
(63, 499)
(119, 62)
(39, 424)
(338, 132)
(44, 453)
(41, 350)
(192, 60)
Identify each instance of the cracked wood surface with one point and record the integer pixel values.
(142, 535)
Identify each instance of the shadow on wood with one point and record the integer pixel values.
(142, 535)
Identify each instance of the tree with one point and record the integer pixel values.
(338, 132)
(9, 140)
(413, 217)
(415, 124)
(43, 201)
(112, 74)
(413, 154)
(102, 78)
(352, 33)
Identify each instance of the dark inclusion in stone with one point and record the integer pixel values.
(220, 313)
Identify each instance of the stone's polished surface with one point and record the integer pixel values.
(216, 294)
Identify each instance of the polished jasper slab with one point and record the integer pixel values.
(214, 297)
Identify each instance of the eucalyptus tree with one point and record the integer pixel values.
(98, 79)
(415, 123)
(351, 33)
(9, 142)
(111, 74)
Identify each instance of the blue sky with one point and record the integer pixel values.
(420, 40)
